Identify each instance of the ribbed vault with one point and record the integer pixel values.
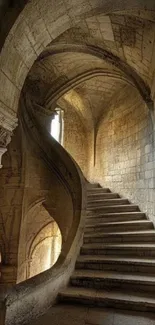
(88, 64)
(63, 40)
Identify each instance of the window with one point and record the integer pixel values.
(57, 125)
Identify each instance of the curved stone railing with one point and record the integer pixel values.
(31, 298)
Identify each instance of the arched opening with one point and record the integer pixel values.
(45, 249)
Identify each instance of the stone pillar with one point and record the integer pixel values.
(5, 138)
(8, 122)
(8, 275)
(2, 313)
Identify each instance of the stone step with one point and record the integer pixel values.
(117, 218)
(97, 190)
(116, 298)
(98, 196)
(121, 237)
(140, 249)
(115, 208)
(114, 263)
(114, 214)
(107, 202)
(103, 279)
(119, 226)
(90, 186)
(116, 266)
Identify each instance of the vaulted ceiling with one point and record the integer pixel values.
(88, 64)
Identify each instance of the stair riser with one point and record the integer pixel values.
(96, 220)
(104, 228)
(106, 283)
(120, 239)
(106, 202)
(120, 252)
(106, 302)
(115, 267)
(115, 209)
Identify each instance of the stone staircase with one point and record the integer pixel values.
(116, 266)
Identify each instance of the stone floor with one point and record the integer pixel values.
(74, 315)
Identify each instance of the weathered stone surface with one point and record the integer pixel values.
(78, 315)
(96, 61)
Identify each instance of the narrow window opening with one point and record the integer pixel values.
(57, 125)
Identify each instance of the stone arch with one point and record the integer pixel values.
(34, 219)
(49, 236)
(83, 77)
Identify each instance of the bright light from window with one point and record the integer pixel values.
(55, 128)
(57, 125)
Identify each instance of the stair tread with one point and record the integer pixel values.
(112, 208)
(109, 199)
(120, 223)
(101, 258)
(150, 279)
(121, 245)
(114, 294)
(115, 214)
(118, 205)
(104, 194)
(101, 220)
(134, 232)
(97, 188)
(111, 214)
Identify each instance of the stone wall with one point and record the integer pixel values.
(125, 152)
(11, 196)
(76, 138)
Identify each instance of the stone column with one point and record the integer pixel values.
(5, 138)
(8, 275)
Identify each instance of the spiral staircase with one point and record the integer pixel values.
(116, 264)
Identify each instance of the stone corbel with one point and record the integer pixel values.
(5, 138)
